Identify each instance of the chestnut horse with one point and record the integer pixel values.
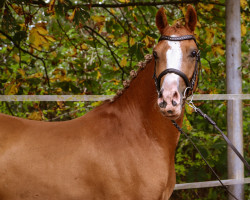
(123, 149)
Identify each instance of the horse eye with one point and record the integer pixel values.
(194, 53)
(155, 54)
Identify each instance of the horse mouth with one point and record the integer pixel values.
(171, 116)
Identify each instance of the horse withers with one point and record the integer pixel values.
(123, 149)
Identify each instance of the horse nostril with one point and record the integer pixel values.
(174, 103)
(170, 111)
(163, 104)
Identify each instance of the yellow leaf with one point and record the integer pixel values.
(35, 116)
(124, 1)
(2, 36)
(50, 38)
(207, 7)
(218, 49)
(243, 29)
(112, 11)
(59, 90)
(97, 103)
(98, 19)
(116, 43)
(16, 57)
(54, 54)
(123, 62)
(132, 41)
(101, 26)
(36, 75)
(188, 109)
(187, 124)
(71, 17)
(124, 39)
(243, 3)
(115, 68)
(12, 89)
(51, 8)
(183, 9)
(98, 75)
(42, 30)
(22, 72)
(210, 36)
(84, 47)
(115, 81)
(146, 40)
(111, 36)
(149, 41)
(38, 37)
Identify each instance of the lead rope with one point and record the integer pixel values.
(205, 116)
(190, 140)
(197, 110)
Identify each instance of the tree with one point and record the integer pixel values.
(74, 47)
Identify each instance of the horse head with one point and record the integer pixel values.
(176, 57)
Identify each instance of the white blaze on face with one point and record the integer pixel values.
(174, 60)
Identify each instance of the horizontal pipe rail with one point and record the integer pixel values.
(105, 97)
(207, 184)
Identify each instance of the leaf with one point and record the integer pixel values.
(243, 29)
(50, 38)
(124, 1)
(123, 62)
(124, 39)
(22, 72)
(189, 110)
(210, 36)
(84, 47)
(51, 8)
(243, 4)
(12, 89)
(17, 9)
(98, 75)
(98, 19)
(112, 11)
(39, 38)
(132, 41)
(2, 36)
(97, 103)
(16, 57)
(35, 116)
(218, 49)
(71, 17)
(207, 7)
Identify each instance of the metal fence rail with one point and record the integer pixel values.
(207, 184)
(105, 97)
(196, 97)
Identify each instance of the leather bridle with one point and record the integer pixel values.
(189, 84)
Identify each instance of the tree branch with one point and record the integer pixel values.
(108, 46)
(121, 5)
(25, 51)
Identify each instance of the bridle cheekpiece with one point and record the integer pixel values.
(190, 84)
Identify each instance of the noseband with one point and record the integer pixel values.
(189, 84)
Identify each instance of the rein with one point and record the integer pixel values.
(190, 86)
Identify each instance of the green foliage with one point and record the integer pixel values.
(70, 47)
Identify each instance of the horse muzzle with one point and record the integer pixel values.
(170, 103)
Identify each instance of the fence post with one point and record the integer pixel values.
(234, 86)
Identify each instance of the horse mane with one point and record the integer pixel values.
(133, 74)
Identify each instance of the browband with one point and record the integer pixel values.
(190, 84)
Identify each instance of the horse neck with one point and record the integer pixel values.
(139, 102)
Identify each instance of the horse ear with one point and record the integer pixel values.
(190, 18)
(161, 20)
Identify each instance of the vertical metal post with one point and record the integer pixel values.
(234, 86)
